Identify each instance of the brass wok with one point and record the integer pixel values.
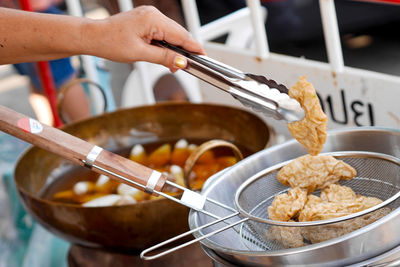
(138, 226)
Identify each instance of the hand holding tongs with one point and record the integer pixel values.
(259, 93)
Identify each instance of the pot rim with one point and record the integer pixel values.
(213, 182)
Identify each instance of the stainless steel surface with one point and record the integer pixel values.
(367, 242)
(378, 175)
(257, 92)
(218, 261)
(387, 259)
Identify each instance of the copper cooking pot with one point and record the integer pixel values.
(138, 226)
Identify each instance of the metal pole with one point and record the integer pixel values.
(331, 34)
(259, 28)
(75, 9)
(192, 18)
(126, 5)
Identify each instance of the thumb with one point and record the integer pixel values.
(166, 57)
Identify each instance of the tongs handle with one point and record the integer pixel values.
(207, 69)
(203, 63)
(255, 91)
(80, 151)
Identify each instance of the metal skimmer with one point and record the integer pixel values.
(378, 175)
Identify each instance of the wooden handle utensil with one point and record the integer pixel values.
(80, 151)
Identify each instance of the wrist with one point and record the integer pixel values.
(86, 28)
(93, 34)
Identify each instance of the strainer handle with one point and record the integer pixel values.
(81, 152)
(144, 253)
(392, 263)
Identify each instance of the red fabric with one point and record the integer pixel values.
(373, 1)
(49, 89)
(384, 1)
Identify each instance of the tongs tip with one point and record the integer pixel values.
(292, 115)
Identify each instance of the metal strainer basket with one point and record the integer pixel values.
(378, 175)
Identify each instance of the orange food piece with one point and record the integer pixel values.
(140, 196)
(197, 184)
(156, 197)
(88, 197)
(107, 188)
(203, 171)
(70, 196)
(207, 158)
(226, 161)
(179, 156)
(140, 158)
(138, 154)
(160, 156)
(64, 195)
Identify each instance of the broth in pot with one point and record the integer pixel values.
(86, 188)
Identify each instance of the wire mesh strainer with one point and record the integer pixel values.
(378, 175)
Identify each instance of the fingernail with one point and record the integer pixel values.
(180, 62)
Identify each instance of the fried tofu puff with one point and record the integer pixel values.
(311, 130)
(286, 206)
(335, 201)
(337, 193)
(315, 172)
(316, 234)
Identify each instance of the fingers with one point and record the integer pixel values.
(149, 24)
(175, 34)
(164, 29)
(166, 57)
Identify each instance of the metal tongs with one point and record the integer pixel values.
(254, 91)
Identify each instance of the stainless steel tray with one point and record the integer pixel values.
(363, 244)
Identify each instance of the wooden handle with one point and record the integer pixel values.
(77, 150)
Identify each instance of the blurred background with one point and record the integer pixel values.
(369, 40)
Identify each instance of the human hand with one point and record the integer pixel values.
(126, 37)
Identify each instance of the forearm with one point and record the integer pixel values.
(34, 36)
(125, 37)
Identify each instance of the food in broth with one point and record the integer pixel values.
(168, 158)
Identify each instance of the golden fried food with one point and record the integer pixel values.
(335, 201)
(368, 202)
(317, 209)
(293, 237)
(316, 234)
(337, 193)
(359, 203)
(311, 172)
(311, 130)
(286, 206)
(315, 172)
(288, 237)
